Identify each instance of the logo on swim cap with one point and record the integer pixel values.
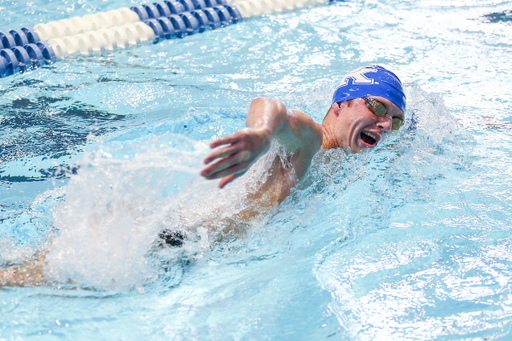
(371, 81)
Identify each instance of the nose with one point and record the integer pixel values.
(384, 123)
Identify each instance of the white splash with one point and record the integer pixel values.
(114, 208)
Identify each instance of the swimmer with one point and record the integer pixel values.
(368, 103)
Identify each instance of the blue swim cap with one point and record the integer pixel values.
(371, 81)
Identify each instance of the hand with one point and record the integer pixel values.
(245, 147)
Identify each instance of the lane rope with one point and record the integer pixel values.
(32, 47)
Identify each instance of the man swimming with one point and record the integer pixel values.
(368, 103)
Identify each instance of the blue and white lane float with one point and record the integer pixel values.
(31, 47)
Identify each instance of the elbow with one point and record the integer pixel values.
(259, 101)
(276, 105)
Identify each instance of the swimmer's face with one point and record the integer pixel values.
(362, 122)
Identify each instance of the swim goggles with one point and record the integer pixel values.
(379, 109)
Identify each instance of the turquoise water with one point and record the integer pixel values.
(410, 241)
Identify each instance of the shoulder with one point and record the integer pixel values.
(309, 129)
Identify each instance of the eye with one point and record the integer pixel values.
(380, 110)
(375, 106)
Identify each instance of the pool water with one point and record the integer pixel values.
(409, 241)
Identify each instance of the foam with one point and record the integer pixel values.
(114, 208)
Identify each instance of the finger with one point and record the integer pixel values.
(226, 140)
(223, 153)
(219, 166)
(229, 179)
(225, 163)
(237, 168)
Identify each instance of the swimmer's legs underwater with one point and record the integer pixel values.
(26, 274)
(32, 273)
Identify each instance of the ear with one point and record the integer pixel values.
(336, 108)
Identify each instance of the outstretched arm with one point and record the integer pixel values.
(267, 119)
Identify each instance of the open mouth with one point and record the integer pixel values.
(369, 138)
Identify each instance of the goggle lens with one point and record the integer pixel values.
(375, 106)
(379, 109)
(396, 123)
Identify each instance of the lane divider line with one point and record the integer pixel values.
(32, 47)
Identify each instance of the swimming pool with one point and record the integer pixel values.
(410, 241)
